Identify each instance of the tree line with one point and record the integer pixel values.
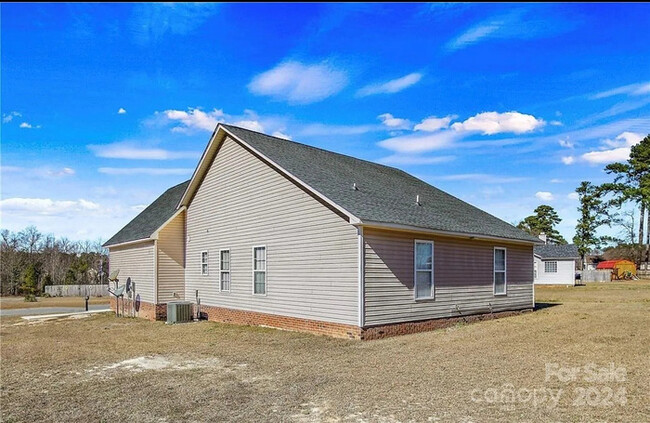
(600, 206)
(31, 260)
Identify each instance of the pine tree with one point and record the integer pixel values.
(543, 221)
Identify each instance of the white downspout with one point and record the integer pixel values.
(361, 266)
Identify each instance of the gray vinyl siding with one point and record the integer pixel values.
(463, 278)
(171, 260)
(566, 272)
(312, 253)
(135, 262)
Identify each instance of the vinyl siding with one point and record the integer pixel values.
(171, 260)
(312, 253)
(136, 262)
(463, 278)
(566, 273)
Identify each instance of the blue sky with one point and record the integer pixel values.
(506, 106)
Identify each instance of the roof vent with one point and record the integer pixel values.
(417, 200)
(354, 187)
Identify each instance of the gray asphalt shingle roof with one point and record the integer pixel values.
(549, 251)
(384, 194)
(151, 218)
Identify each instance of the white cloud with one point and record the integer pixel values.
(607, 156)
(555, 123)
(253, 125)
(299, 83)
(121, 111)
(151, 22)
(573, 196)
(195, 118)
(566, 143)
(280, 134)
(46, 206)
(392, 86)
(394, 123)
(640, 88)
(556, 181)
(483, 178)
(26, 125)
(621, 152)
(66, 171)
(39, 172)
(474, 34)
(432, 123)
(144, 171)
(417, 142)
(398, 159)
(489, 123)
(8, 117)
(544, 195)
(129, 151)
(567, 160)
(318, 129)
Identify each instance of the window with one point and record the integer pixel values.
(423, 269)
(224, 270)
(204, 262)
(259, 270)
(499, 271)
(550, 267)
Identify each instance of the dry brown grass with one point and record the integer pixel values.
(9, 303)
(58, 371)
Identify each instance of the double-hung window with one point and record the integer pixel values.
(423, 269)
(224, 270)
(204, 263)
(550, 267)
(499, 271)
(259, 270)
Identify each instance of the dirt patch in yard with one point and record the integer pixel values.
(107, 369)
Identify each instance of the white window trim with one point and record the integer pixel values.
(505, 272)
(266, 270)
(225, 271)
(207, 263)
(551, 261)
(415, 270)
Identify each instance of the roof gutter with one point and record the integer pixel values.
(467, 235)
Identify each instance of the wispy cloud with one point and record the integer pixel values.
(568, 160)
(121, 111)
(518, 24)
(319, 129)
(419, 142)
(130, 151)
(39, 172)
(151, 22)
(640, 88)
(399, 159)
(46, 206)
(144, 171)
(8, 117)
(27, 125)
(299, 83)
(392, 122)
(195, 118)
(392, 86)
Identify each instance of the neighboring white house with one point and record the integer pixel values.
(555, 264)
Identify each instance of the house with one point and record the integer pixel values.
(555, 264)
(273, 232)
(618, 268)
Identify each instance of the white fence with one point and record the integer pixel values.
(596, 276)
(77, 290)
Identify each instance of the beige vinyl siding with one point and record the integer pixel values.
(171, 260)
(312, 253)
(463, 278)
(135, 261)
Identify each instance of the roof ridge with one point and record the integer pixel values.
(315, 148)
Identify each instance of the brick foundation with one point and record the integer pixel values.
(338, 330)
(144, 310)
(242, 317)
(396, 329)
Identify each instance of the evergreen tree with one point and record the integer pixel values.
(594, 213)
(543, 221)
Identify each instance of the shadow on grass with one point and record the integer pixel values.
(542, 306)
